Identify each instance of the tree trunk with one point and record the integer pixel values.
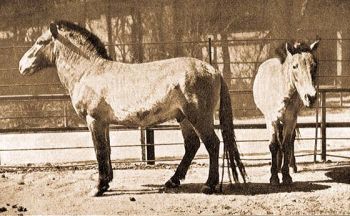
(279, 14)
(178, 27)
(137, 35)
(111, 47)
(161, 38)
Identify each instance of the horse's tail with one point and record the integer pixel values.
(228, 135)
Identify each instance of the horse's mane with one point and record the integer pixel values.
(295, 47)
(89, 40)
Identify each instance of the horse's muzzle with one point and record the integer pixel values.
(310, 99)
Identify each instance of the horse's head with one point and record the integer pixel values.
(40, 55)
(77, 39)
(302, 65)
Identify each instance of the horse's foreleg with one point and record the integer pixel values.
(110, 175)
(292, 162)
(192, 144)
(279, 159)
(274, 180)
(102, 149)
(292, 157)
(278, 128)
(287, 147)
(275, 149)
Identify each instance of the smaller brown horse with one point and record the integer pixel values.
(280, 88)
(105, 92)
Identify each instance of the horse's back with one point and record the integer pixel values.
(177, 63)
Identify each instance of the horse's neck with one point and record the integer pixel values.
(288, 88)
(72, 66)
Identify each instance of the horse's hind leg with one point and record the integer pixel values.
(205, 130)
(192, 144)
(102, 149)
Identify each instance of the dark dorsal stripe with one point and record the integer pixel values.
(294, 47)
(94, 43)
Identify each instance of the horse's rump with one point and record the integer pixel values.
(269, 83)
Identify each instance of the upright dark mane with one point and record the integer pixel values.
(294, 48)
(93, 43)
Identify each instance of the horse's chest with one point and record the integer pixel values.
(89, 101)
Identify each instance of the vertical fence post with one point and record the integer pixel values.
(142, 140)
(209, 50)
(65, 119)
(323, 127)
(150, 146)
(316, 125)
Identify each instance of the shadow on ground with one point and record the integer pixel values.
(228, 189)
(113, 192)
(339, 174)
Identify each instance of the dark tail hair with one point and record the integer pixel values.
(228, 135)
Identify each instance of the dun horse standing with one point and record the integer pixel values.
(280, 88)
(104, 92)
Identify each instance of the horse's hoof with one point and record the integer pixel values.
(208, 189)
(110, 177)
(287, 180)
(96, 193)
(172, 183)
(274, 181)
(295, 169)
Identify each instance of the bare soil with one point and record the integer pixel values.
(138, 190)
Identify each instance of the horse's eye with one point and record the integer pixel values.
(42, 42)
(295, 66)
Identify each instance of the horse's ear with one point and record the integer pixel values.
(288, 49)
(314, 45)
(53, 30)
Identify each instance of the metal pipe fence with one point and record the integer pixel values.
(147, 134)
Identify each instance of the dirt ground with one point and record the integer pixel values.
(138, 190)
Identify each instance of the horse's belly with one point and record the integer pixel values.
(143, 118)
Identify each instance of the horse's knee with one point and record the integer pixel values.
(212, 143)
(274, 148)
